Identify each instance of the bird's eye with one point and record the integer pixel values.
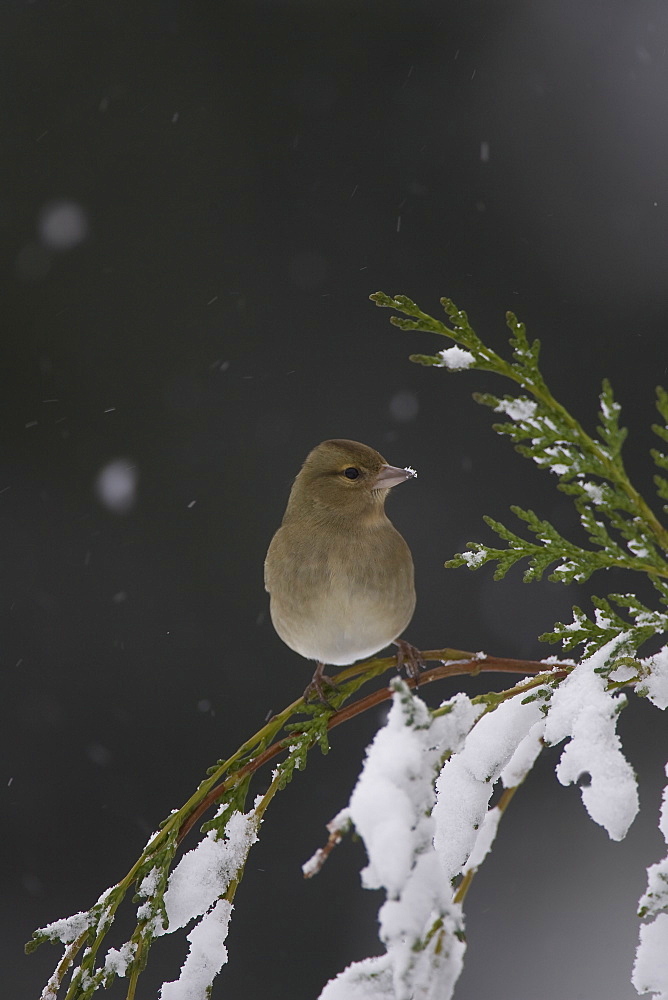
(351, 473)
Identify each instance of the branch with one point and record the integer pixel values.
(459, 663)
(557, 440)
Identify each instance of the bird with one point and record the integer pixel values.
(340, 576)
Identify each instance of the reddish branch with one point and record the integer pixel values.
(457, 662)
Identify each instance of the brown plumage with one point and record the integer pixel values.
(339, 574)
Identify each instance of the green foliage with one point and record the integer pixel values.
(608, 625)
(226, 785)
(660, 457)
(622, 530)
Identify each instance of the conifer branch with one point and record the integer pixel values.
(557, 439)
(623, 531)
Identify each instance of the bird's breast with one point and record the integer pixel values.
(340, 598)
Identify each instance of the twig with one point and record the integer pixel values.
(69, 955)
(336, 833)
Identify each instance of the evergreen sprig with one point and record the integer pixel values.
(227, 785)
(660, 457)
(631, 632)
(622, 530)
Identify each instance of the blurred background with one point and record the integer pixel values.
(196, 201)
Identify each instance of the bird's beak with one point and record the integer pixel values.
(390, 476)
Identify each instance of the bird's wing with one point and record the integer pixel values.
(270, 562)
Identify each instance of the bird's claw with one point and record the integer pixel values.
(316, 689)
(408, 657)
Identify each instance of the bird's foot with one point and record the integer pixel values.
(409, 658)
(316, 689)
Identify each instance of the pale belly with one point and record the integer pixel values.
(341, 629)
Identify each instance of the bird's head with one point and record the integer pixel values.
(344, 478)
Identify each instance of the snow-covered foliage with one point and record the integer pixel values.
(203, 874)
(421, 926)
(466, 782)
(456, 359)
(583, 710)
(654, 683)
(195, 891)
(650, 972)
(421, 806)
(206, 956)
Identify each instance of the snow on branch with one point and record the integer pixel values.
(583, 709)
(197, 888)
(466, 782)
(203, 874)
(654, 682)
(420, 925)
(650, 971)
(423, 830)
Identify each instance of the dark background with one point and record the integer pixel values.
(231, 181)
